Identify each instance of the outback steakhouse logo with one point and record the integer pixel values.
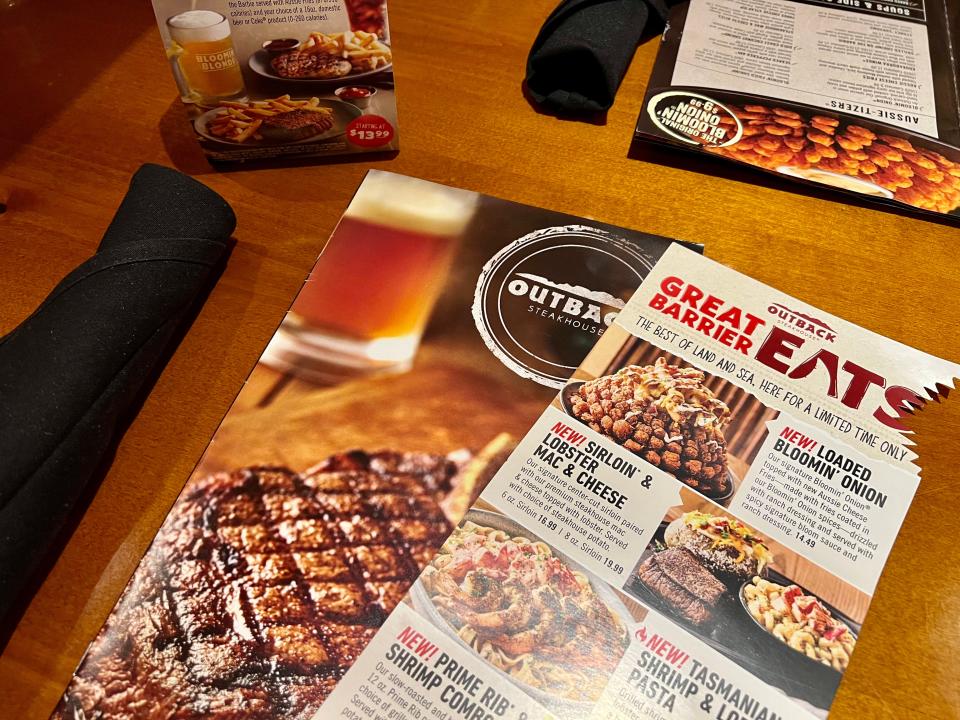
(806, 323)
(543, 300)
(577, 306)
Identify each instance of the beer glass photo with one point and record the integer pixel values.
(365, 305)
(369, 16)
(201, 50)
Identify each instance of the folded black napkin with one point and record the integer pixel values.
(72, 373)
(583, 51)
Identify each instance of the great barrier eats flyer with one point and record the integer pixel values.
(694, 528)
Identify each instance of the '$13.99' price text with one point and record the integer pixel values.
(370, 131)
(369, 134)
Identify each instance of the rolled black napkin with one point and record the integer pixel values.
(74, 371)
(583, 51)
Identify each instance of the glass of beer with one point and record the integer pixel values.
(365, 305)
(201, 51)
(369, 16)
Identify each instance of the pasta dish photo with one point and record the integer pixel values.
(525, 610)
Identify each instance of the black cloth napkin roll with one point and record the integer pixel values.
(584, 49)
(73, 373)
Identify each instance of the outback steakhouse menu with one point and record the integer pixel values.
(429, 336)
(693, 529)
(276, 78)
(859, 96)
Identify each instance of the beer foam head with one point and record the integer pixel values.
(198, 26)
(405, 203)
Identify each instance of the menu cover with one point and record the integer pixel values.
(858, 96)
(693, 529)
(431, 333)
(278, 78)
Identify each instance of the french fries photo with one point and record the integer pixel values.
(364, 50)
(240, 121)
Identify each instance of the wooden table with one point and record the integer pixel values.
(88, 97)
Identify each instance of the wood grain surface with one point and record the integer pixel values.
(283, 420)
(88, 97)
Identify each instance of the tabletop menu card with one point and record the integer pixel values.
(859, 96)
(280, 78)
(431, 333)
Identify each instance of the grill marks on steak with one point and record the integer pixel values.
(262, 588)
(682, 582)
(300, 120)
(299, 64)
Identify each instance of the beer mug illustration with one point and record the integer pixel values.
(203, 58)
(364, 307)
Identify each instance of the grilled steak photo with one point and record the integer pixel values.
(264, 585)
(677, 578)
(319, 65)
(726, 547)
(296, 124)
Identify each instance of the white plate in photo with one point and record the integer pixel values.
(343, 114)
(259, 62)
(843, 182)
(563, 707)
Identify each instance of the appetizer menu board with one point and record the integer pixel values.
(693, 529)
(858, 96)
(275, 78)
(429, 336)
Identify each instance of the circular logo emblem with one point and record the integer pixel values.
(694, 119)
(543, 301)
(370, 131)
